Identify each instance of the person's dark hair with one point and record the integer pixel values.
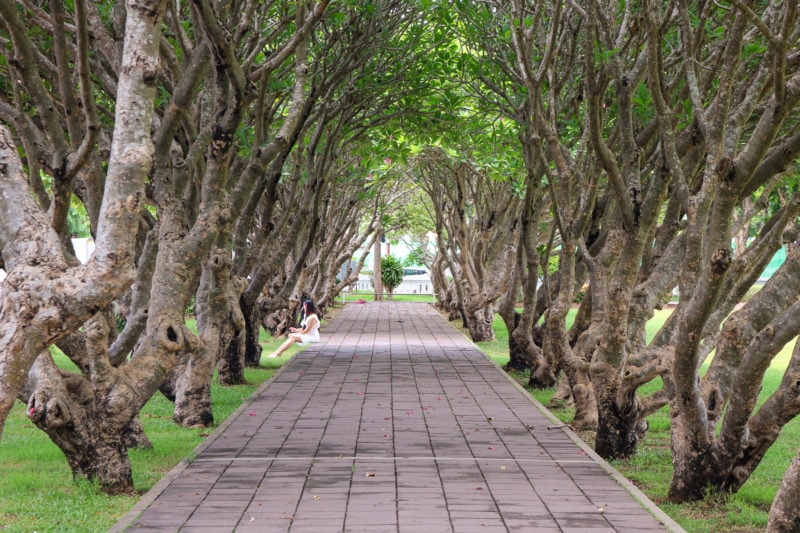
(310, 308)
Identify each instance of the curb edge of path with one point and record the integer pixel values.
(150, 496)
(640, 496)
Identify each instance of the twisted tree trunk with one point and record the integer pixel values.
(44, 299)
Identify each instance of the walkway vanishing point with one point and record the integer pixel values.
(395, 422)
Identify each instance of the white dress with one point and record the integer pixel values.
(313, 333)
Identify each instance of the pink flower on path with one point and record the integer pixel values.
(252, 414)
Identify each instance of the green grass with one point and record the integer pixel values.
(651, 468)
(38, 493)
(370, 297)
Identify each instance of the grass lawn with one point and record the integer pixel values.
(651, 469)
(370, 296)
(37, 492)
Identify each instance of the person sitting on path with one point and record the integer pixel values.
(306, 333)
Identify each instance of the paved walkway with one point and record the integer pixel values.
(394, 423)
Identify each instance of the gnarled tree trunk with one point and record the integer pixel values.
(784, 515)
(43, 299)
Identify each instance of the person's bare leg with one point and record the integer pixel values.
(283, 347)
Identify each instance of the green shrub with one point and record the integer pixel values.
(391, 273)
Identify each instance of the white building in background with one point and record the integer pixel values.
(416, 281)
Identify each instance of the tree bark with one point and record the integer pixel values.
(784, 515)
(65, 300)
(82, 420)
(220, 329)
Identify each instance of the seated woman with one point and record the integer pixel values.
(307, 332)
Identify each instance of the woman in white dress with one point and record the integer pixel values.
(306, 333)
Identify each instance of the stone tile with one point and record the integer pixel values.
(393, 423)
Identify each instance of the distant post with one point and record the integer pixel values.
(376, 267)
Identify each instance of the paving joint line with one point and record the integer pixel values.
(394, 458)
